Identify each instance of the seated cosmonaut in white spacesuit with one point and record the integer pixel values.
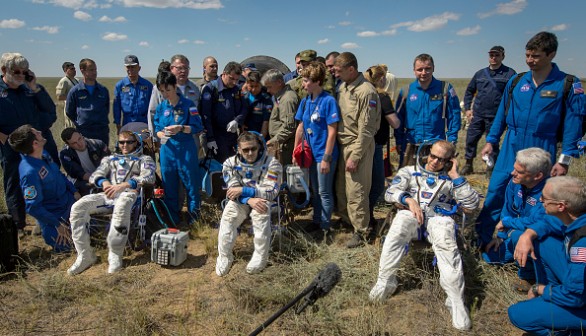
(120, 176)
(253, 179)
(430, 191)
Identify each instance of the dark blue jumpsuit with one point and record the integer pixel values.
(89, 111)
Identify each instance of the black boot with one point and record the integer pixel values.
(468, 167)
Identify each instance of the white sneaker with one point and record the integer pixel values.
(82, 263)
(460, 316)
(382, 290)
(256, 264)
(114, 262)
(223, 265)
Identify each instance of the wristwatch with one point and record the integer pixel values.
(565, 159)
(327, 158)
(535, 290)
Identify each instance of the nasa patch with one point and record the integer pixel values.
(426, 194)
(121, 172)
(525, 88)
(30, 193)
(413, 97)
(167, 113)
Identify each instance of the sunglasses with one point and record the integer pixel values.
(249, 150)
(126, 142)
(20, 72)
(439, 159)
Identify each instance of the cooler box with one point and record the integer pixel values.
(169, 247)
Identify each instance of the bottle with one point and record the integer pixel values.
(488, 160)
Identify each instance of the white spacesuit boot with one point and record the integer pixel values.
(403, 229)
(114, 261)
(85, 255)
(262, 242)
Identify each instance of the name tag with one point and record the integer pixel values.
(548, 94)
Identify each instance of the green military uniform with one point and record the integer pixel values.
(282, 123)
(360, 119)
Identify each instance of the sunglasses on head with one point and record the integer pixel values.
(126, 142)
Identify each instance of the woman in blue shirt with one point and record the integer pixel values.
(318, 117)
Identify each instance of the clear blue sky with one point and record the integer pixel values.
(457, 33)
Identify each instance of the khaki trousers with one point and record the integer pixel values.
(352, 189)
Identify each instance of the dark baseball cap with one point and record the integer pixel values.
(497, 49)
(308, 55)
(131, 60)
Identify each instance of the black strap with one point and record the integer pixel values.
(579, 234)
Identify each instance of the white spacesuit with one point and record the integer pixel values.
(136, 169)
(437, 196)
(260, 179)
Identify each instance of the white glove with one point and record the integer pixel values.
(232, 126)
(212, 145)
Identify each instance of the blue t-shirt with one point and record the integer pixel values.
(316, 115)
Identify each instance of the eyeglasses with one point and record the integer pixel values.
(20, 72)
(545, 200)
(439, 159)
(181, 68)
(249, 150)
(126, 142)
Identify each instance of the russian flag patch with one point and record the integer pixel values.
(372, 103)
(193, 111)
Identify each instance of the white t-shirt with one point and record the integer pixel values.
(86, 163)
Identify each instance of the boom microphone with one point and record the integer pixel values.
(322, 285)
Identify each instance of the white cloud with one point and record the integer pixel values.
(114, 37)
(349, 45)
(560, 27)
(83, 16)
(12, 23)
(183, 41)
(199, 42)
(75, 4)
(367, 33)
(506, 8)
(433, 22)
(344, 23)
(48, 29)
(469, 31)
(143, 44)
(118, 19)
(331, 27)
(323, 41)
(389, 32)
(85, 47)
(191, 4)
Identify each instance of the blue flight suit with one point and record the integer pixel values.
(19, 107)
(89, 111)
(533, 119)
(521, 209)
(219, 106)
(48, 195)
(422, 116)
(178, 155)
(289, 76)
(131, 101)
(486, 89)
(562, 269)
(259, 110)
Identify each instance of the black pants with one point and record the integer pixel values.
(478, 126)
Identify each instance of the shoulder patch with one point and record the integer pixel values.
(193, 111)
(372, 103)
(578, 89)
(30, 193)
(578, 254)
(452, 92)
(525, 88)
(396, 180)
(206, 96)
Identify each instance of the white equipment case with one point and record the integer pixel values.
(169, 247)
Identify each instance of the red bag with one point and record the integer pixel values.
(303, 155)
